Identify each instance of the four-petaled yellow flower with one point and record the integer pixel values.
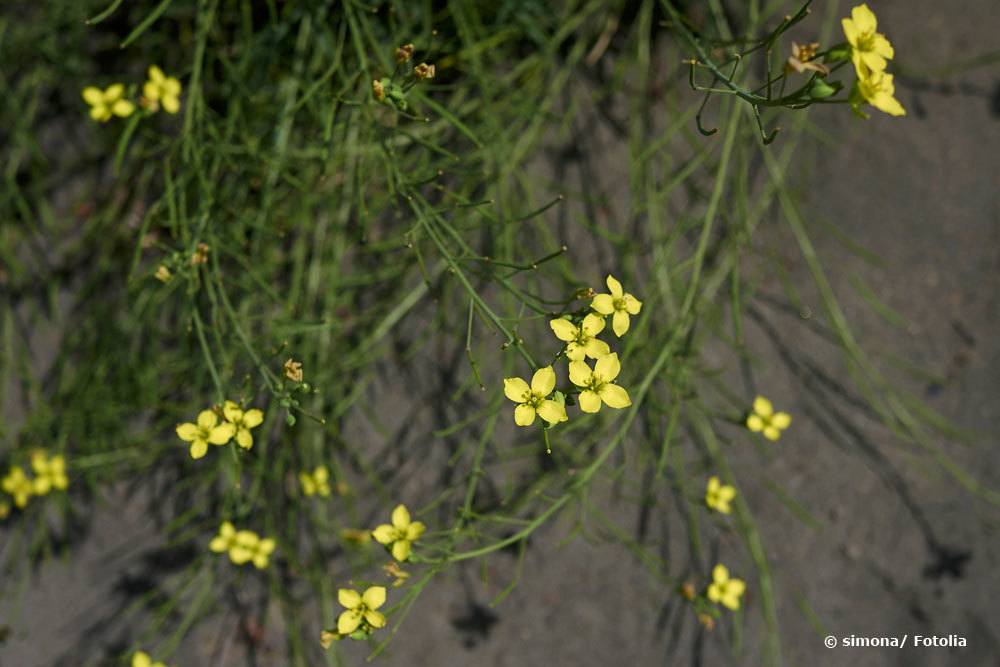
(765, 419)
(719, 495)
(597, 383)
(316, 482)
(207, 430)
(725, 590)
(879, 91)
(50, 473)
(243, 422)
(581, 340)
(869, 48)
(107, 102)
(361, 609)
(243, 546)
(619, 304)
(401, 534)
(162, 89)
(142, 659)
(17, 485)
(534, 399)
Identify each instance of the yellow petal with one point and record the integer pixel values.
(552, 412)
(376, 619)
(763, 407)
(726, 493)
(888, 104)
(348, 599)
(401, 517)
(171, 104)
(308, 486)
(140, 659)
(321, 475)
(401, 550)
(151, 91)
(253, 418)
(736, 587)
(384, 534)
(221, 434)
(187, 432)
(155, 74)
(199, 448)
(771, 433)
(93, 96)
(713, 484)
(122, 108)
(620, 322)
(574, 352)
(227, 530)
(589, 401)
(266, 545)
(781, 420)
(41, 485)
(714, 592)
(543, 381)
(873, 61)
(516, 389)
(524, 415)
(850, 31)
(755, 423)
(171, 87)
(348, 621)
(218, 545)
(100, 113)
(244, 439)
(615, 396)
(608, 367)
(864, 18)
(207, 419)
(720, 574)
(603, 303)
(113, 92)
(883, 47)
(596, 348)
(260, 561)
(231, 411)
(593, 324)
(415, 530)
(563, 329)
(579, 373)
(614, 287)
(632, 305)
(374, 597)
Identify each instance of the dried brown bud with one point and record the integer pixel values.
(378, 89)
(424, 71)
(200, 255)
(293, 370)
(404, 53)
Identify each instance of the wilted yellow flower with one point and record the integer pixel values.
(50, 473)
(207, 430)
(765, 419)
(802, 59)
(17, 485)
(424, 71)
(378, 90)
(293, 370)
(869, 48)
(597, 384)
(163, 274)
(725, 590)
(619, 304)
(392, 569)
(162, 89)
(879, 91)
(718, 495)
(360, 609)
(534, 399)
(141, 659)
(315, 483)
(401, 534)
(200, 255)
(404, 53)
(108, 102)
(242, 421)
(581, 341)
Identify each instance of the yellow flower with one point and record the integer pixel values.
(361, 609)
(50, 473)
(207, 430)
(262, 552)
(243, 546)
(17, 484)
(725, 590)
(619, 304)
(764, 418)
(162, 89)
(163, 274)
(107, 102)
(141, 659)
(597, 384)
(718, 495)
(581, 340)
(243, 422)
(401, 534)
(533, 399)
(869, 49)
(879, 91)
(316, 482)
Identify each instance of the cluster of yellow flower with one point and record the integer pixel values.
(596, 385)
(244, 546)
(49, 473)
(207, 429)
(159, 90)
(142, 659)
(870, 51)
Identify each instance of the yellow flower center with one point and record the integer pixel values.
(866, 41)
(618, 303)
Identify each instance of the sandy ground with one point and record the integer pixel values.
(897, 548)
